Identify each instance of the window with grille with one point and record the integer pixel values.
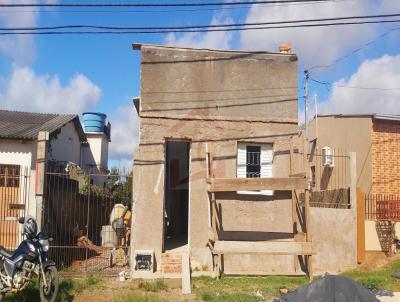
(9, 175)
(255, 160)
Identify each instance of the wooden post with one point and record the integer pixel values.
(41, 159)
(294, 202)
(353, 196)
(307, 204)
(360, 226)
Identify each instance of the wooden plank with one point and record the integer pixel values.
(360, 226)
(255, 184)
(302, 174)
(263, 247)
(294, 201)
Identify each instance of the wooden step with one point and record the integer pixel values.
(263, 247)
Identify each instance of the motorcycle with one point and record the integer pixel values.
(28, 261)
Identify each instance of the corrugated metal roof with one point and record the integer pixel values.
(27, 125)
(392, 117)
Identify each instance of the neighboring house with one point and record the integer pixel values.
(67, 143)
(241, 107)
(376, 140)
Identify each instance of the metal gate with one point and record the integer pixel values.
(14, 192)
(80, 212)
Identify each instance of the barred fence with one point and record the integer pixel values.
(382, 207)
(88, 217)
(14, 194)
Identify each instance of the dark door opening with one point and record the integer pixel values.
(176, 215)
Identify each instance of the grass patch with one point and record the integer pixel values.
(243, 289)
(153, 286)
(67, 291)
(139, 298)
(377, 279)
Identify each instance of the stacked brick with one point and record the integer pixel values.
(171, 263)
(385, 152)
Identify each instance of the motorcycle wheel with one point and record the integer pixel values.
(49, 293)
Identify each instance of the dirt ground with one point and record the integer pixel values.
(113, 290)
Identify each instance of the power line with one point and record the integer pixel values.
(162, 11)
(201, 30)
(198, 26)
(326, 83)
(165, 4)
(354, 51)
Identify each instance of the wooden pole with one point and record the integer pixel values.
(360, 226)
(307, 204)
(294, 202)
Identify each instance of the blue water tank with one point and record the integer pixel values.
(94, 121)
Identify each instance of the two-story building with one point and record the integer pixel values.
(241, 108)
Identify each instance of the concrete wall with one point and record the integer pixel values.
(23, 153)
(218, 83)
(334, 235)
(96, 153)
(177, 84)
(352, 134)
(66, 145)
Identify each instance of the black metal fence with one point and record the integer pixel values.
(88, 216)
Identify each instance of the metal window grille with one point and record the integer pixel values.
(253, 163)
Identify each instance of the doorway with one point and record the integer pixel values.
(176, 207)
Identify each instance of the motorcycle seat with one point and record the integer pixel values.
(5, 253)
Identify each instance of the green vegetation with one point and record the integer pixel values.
(243, 289)
(68, 289)
(153, 286)
(139, 298)
(226, 289)
(377, 279)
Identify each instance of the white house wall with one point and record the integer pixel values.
(22, 153)
(66, 147)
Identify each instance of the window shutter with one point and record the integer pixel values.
(266, 165)
(241, 161)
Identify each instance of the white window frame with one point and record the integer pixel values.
(266, 169)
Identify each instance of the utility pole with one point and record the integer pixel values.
(305, 86)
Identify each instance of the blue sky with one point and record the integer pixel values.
(79, 73)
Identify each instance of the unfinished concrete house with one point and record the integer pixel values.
(217, 167)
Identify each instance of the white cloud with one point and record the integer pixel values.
(25, 90)
(124, 134)
(218, 40)
(383, 72)
(21, 48)
(318, 45)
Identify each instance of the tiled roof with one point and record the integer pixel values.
(27, 125)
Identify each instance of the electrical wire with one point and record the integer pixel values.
(197, 26)
(354, 51)
(326, 83)
(161, 11)
(163, 31)
(165, 4)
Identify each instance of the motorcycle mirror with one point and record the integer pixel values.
(21, 220)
